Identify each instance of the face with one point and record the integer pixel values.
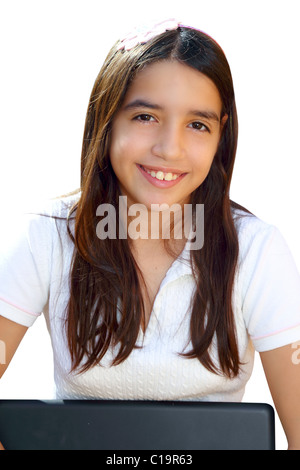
(165, 136)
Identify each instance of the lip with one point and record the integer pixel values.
(160, 183)
(164, 169)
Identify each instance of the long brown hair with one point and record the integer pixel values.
(106, 305)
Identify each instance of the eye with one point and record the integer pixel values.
(199, 126)
(144, 117)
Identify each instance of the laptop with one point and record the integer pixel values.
(135, 425)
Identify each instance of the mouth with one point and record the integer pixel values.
(159, 178)
(166, 175)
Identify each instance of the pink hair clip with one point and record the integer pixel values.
(142, 34)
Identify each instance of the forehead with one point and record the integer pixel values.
(169, 83)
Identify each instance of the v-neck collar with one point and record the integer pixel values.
(181, 266)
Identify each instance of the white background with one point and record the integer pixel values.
(51, 52)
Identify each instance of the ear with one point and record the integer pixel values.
(223, 121)
(222, 124)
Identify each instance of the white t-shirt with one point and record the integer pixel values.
(35, 258)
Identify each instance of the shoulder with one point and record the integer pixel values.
(268, 283)
(53, 213)
(265, 259)
(58, 208)
(247, 223)
(256, 235)
(38, 226)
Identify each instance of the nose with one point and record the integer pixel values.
(169, 143)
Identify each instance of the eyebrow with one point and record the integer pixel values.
(139, 103)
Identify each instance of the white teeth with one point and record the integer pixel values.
(160, 175)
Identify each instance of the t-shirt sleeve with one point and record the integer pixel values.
(270, 290)
(25, 267)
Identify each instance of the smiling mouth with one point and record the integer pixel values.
(161, 175)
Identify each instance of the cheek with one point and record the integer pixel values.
(203, 156)
(124, 146)
(118, 152)
(117, 144)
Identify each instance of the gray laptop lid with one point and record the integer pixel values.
(136, 425)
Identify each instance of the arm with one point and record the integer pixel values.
(11, 334)
(282, 370)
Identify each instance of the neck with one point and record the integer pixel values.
(159, 223)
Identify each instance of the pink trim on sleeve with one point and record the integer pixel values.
(275, 332)
(19, 308)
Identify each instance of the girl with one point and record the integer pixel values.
(137, 316)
